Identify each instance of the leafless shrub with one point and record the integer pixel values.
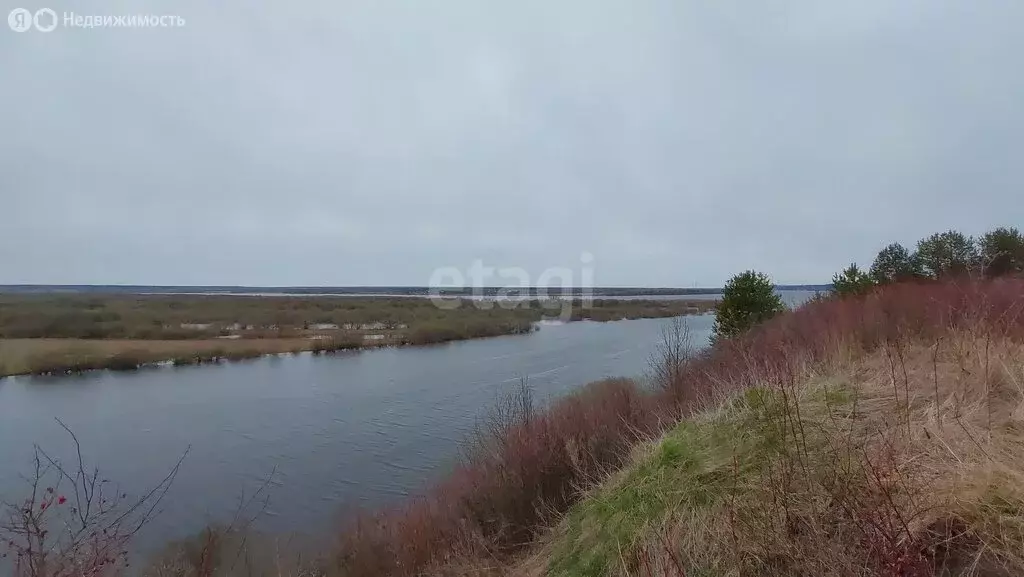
(74, 522)
(232, 549)
(672, 354)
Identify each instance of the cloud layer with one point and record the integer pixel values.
(359, 142)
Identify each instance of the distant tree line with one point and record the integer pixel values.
(944, 254)
(749, 298)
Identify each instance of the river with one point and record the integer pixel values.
(357, 429)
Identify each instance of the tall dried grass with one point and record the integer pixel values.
(875, 436)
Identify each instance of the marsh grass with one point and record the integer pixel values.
(174, 317)
(59, 334)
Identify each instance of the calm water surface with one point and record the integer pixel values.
(355, 429)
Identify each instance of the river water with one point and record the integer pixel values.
(357, 429)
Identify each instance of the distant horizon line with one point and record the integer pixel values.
(376, 286)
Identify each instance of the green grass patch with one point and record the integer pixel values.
(697, 467)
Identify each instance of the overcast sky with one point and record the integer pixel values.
(368, 142)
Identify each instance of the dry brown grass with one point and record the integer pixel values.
(19, 356)
(908, 461)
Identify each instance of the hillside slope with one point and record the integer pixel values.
(905, 461)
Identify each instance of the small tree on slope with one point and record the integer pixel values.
(895, 263)
(947, 253)
(1002, 252)
(852, 281)
(748, 299)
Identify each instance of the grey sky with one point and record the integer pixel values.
(350, 142)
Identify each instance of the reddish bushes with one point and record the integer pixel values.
(524, 469)
(822, 329)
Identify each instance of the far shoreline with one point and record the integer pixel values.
(382, 291)
(224, 358)
(55, 350)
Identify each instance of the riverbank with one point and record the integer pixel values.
(59, 334)
(872, 436)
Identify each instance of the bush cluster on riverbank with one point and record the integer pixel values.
(445, 332)
(488, 514)
(75, 360)
(526, 468)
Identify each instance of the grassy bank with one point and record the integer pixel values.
(875, 467)
(28, 356)
(56, 334)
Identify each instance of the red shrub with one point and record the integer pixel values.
(822, 329)
(525, 470)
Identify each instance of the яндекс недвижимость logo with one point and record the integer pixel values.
(22, 20)
(47, 20)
